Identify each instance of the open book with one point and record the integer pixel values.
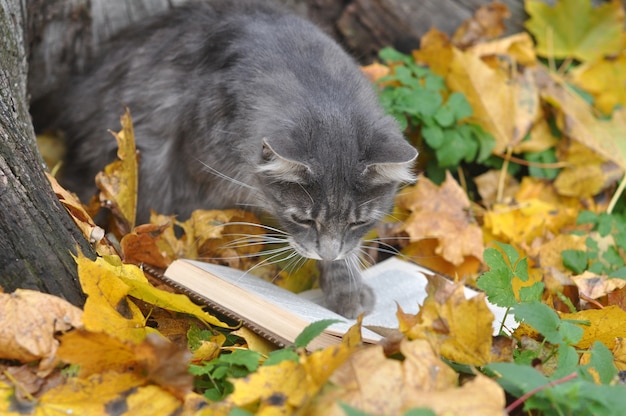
(280, 316)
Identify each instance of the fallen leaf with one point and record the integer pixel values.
(605, 79)
(374, 384)
(92, 232)
(442, 213)
(28, 323)
(489, 182)
(442, 320)
(573, 28)
(519, 47)
(435, 51)
(489, 92)
(576, 119)
(605, 325)
(486, 24)
(595, 286)
(118, 183)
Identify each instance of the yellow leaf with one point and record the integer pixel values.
(606, 325)
(442, 213)
(488, 184)
(127, 390)
(576, 119)
(605, 79)
(108, 309)
(573, 28)
(254, 341)
(619, 353)
(519, 47)
(541, 139)
(119, 181)
(282, 387)
(375, 71)
(586, 174)
(442, 320)
(488, 91)
(435, 51)
(28, 323)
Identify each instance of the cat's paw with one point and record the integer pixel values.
(352, 303)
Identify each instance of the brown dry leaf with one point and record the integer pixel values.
(603, 79)
(374, 384)
(141, 246)
(159, 361)
(595, 286)
(28, 323)
(93, 233)
(442, 213)
(427, 253)
(375, 71)
(606, 325)
(119, 181)
(443, 321)
(488, 184)
(486, 24)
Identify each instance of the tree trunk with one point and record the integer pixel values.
(37, 236)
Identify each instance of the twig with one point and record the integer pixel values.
(555, 165)
(618, 193)
(503, 172)
(534, 391)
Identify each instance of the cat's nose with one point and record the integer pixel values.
(329, 248)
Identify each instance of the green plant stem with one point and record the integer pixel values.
(618, 193)
(534, 391)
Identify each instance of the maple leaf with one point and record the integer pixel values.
(374, 384)
(573, 28)
(118, 183)
(605, 325)
(442, 320)
(442, 213)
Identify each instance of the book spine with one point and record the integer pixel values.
(204, 301)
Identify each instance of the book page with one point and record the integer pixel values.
(395, 280)
(282, 298)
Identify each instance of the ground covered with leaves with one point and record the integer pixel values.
(523, 145)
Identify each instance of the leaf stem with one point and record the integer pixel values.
(536, 390)
(618, 193)
(539, 165)
(503, 172)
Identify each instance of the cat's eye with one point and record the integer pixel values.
(357, 224)
(304, 222)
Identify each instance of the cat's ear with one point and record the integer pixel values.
(279, 161)
(391, 161)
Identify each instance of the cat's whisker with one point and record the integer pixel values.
(253, 224)
(226, 177)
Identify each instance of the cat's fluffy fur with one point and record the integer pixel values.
(243, 90)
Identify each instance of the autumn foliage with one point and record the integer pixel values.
(523, 141)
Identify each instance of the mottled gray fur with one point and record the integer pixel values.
(246, 91)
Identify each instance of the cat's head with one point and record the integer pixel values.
(326, 192)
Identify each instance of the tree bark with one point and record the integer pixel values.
(37, 236)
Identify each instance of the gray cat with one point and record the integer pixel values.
(241, 103)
